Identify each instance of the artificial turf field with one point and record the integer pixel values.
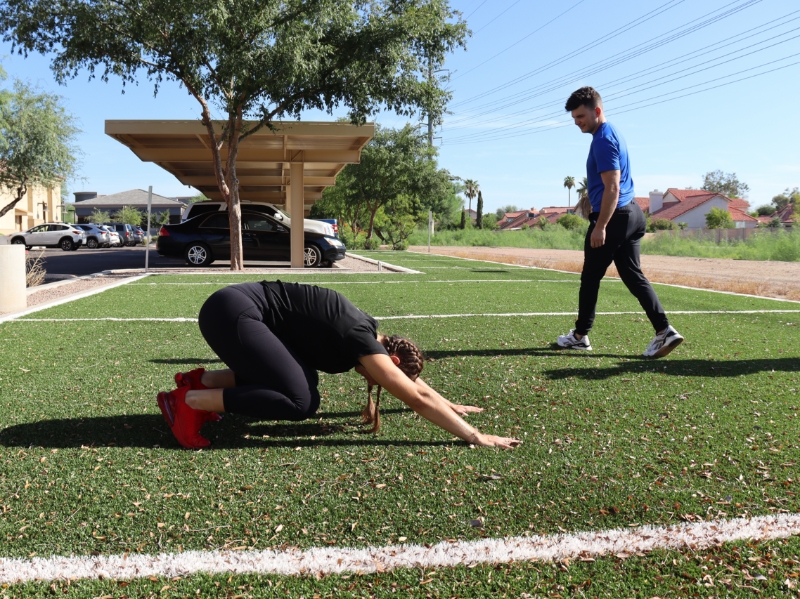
(610, 440)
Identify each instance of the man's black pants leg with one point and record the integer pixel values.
(623, 236)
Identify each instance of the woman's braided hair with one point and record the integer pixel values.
(411, 363)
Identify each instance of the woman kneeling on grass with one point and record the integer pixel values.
(274, 337)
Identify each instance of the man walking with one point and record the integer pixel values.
(616, 227)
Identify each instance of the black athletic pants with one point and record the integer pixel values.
(623, 235)
(271, 382)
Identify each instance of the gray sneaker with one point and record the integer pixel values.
(570, 342)
(664, 343)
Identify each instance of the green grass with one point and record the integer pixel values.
(781, 245)
(87, 464)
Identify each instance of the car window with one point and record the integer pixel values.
(198, 209)
(256, 222)
(53, 228)
(217, 221)
(38, 229)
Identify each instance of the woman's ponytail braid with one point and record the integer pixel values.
(411, 363)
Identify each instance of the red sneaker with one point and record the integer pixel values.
(187, 421)
(167, 405)
(191, 379)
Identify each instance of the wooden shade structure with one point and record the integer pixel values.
(308, 154)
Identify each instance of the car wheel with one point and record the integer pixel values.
(198, 254)
(312, 256)
(19, 241)
(67, 244)
(76, 247)
(91, 243)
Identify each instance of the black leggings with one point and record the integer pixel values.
(271, 382)
(624, 233)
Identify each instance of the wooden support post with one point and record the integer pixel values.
(297, 201)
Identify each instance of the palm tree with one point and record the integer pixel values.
(583, 188)
(569, 183)
(471, 188)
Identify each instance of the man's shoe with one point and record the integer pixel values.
(570, 342)
(186, 421)
(664, 343)
(193, 380)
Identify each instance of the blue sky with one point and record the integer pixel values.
(509, 87)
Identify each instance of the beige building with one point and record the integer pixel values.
(40, 205)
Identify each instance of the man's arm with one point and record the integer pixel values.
(607, 206)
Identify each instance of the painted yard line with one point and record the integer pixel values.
(775, 299)
(420, 316)
(70, 298)
(397, 282)
(335, 560)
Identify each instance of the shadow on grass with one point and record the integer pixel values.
(551, 351)
(233, 431)
(190, 361)
(691, 367)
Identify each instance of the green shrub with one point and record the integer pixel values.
(571, 222)
(662, 224)
(371, 244)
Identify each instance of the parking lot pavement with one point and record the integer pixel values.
(85, 261)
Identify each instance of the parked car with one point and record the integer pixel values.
(125, 232)
(95, 236)
(114, 238)
(333, 223)
(206, 238)
(138, 235)
(51, 235)
(314, 226)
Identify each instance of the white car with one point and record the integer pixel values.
(114, 240)
(51, 235)
(309, 225)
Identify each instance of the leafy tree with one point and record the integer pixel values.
(395, 163)
(99, 216)
(500, 212)
(479, 217)
(37, 139)
(571, 221)
(200, 197)
(569, 183)
(719, 218)
(683, 226)
(764, 210)
(252, 59)
(396, 222)
(788, 196)
(158, 219)
(727, 184)
(543, 223)
(489, 221)
(129, 215)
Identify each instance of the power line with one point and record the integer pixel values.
(636, 22)
(498, 16)
(643, 73)
(623, 56)
(520, 40)
(476, 10)
(475, 138)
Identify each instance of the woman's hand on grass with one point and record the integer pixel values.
(464, 410)
(482, 440)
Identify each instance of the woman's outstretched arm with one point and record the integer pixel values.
(427, 403)
(458, 409)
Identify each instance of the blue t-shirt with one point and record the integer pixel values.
(608, 152)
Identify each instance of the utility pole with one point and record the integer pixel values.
(430, 120)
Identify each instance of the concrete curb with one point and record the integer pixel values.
(386, 265)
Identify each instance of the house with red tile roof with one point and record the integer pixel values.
(691, 206)
(512, 221)
(644, 203)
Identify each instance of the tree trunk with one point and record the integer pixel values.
(479, 220)
(21, 191)
(372, 213)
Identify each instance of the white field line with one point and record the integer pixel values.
(399, 282)
(775, 299)
(69, 298)
(336, 560)
(420, 316)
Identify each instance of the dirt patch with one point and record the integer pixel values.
(780, 280)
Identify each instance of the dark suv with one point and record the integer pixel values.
(126, 233)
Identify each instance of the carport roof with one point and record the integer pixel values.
(262, 166)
